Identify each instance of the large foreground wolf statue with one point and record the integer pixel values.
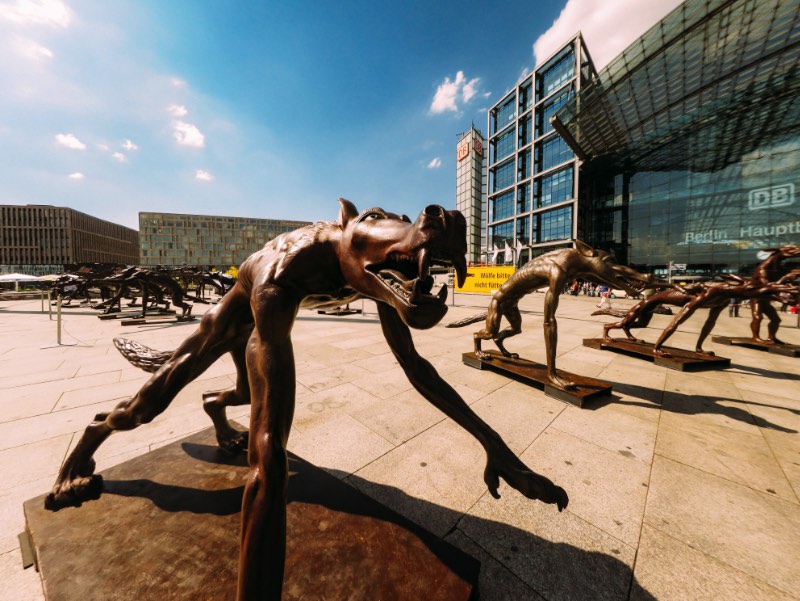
(376, 255)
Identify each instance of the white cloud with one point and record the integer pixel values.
(76, 176)
(54, 13)
(70, 141)
(187, 134)
(120, 157)
(129, 145)
(103, 147)
(203, 175)
(608, 26)
(30, 50)
(177, 82)
(470, 89)
(177, 110)
(435, 163)
(448, 93)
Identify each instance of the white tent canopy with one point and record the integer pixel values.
(19, 277)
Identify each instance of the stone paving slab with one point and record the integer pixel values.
(682, 486)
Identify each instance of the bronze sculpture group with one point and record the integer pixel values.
(385, 257)
(764, 286)
(374, 254)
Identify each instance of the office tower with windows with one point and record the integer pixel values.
(533, 174)
(470, 190)
(42, 239)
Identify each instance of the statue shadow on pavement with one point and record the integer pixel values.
(692, 404)
(554, 570)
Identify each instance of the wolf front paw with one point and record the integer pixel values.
(71, 493)
(529, 483)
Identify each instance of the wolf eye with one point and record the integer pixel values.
(374, 213)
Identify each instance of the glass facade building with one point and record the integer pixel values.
(690, 140)
(470, 190)
(205, 240)
(533, 173)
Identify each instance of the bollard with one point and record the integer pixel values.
(58, 320)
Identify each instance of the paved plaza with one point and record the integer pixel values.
(681, 485)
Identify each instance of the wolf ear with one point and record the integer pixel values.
(347, 211)
(585, 249)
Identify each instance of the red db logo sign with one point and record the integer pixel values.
(463, 151)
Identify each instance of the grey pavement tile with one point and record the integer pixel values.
(32, 461)
(495, 581)
(743, 457)
(782, 387)
(386, 384)
(97, 366)
(379, 363)
(13, 408)
(47, 425)
(752, 531)
(303, 365)
(605, 488)
(329, 355)
(357, 341)
(61, 385)
(12, 516)
(559, 555)
(400, 417)
(446, 364)
(315, 408)
(433, 479)
(701, 400)
(43, 366)
(12, 382)
(624, 434)
(518, 412)
(96, 394)
(340, 444)
(482, 380)
(333, 376)
(669, 569)
(19, 584)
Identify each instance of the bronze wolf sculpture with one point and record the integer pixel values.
(555, 270)
(375, 255)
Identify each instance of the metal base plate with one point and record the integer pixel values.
(789, 350)
(536, 374)
(167, 526)
(680, 359)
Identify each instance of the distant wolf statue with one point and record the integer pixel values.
(555, 270)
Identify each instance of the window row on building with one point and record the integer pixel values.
(205, 240)
(56, 236)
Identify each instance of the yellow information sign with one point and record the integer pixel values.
(485, 279)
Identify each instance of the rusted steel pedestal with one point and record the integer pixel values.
(167, 527)
(679, 359)
(789, 350)
(536, 374)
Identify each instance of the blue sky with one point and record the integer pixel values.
(262, 108)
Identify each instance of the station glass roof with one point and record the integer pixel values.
(711, 82)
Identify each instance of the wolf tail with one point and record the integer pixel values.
(467, 320)
(141, 356)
